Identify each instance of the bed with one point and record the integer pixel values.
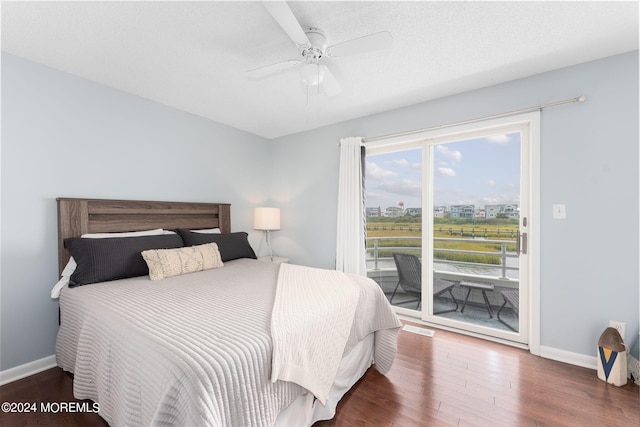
(246, 343)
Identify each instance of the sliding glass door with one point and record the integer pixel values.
(447, 226)
(475, 220)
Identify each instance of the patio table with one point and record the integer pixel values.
(484, 287)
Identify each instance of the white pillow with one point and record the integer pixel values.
(208, 231)
(64, 280)
(156, 232)
(71, 265)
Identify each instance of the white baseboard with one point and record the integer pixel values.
(569, 357)
(22, 371)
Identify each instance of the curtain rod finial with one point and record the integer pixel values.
(581, 98)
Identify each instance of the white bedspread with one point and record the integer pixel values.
(310, 324)
(191, 350)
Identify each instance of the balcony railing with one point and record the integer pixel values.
(378, 261)
(503, 274)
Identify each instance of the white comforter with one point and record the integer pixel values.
(191, 350)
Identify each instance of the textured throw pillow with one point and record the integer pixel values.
(231, 245)
(164, 263)
(102, 260)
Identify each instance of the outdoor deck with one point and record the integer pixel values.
(504, 276)
(475, 311)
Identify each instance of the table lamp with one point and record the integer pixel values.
(267, 219)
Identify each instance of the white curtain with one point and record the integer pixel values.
(350, 249)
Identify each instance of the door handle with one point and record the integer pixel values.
(521, 243)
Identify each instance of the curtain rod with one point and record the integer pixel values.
(580, 98)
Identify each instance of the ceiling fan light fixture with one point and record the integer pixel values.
(314, 47)
(312, 74)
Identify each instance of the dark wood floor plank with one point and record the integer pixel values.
(469, 382)
(445, 380)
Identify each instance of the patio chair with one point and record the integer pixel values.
(513, 298)
(409, 270)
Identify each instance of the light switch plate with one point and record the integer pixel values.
(620, 326)
(560, 211)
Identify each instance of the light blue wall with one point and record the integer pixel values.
(64, 136)
(67, 137)
(589, 161)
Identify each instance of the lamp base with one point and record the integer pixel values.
(269, 244)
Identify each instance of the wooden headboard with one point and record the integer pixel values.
(80, 216)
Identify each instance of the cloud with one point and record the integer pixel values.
(405, 164)
(372, 194)
(498, 139)
(500, 199)
(491, 182)
(490, 201)
(445, 172)
(402, 163)
(406, 187)
(373, 171)
(444, 150)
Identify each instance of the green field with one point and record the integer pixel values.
(459, 229)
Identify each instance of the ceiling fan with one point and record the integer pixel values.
(315, 50)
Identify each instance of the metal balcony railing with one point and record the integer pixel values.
(377, 261)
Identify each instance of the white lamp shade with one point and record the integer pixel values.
(266, 219)
(312, 74)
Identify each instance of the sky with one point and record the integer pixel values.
(478, 171)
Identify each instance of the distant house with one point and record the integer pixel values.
(413, 211)
(440, 211)
(462, 211)
(393, 211)
(374, 212)
(508, 211)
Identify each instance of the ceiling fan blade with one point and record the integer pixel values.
(370, 43)
(282, 14)
(330, 85)
(269, 70)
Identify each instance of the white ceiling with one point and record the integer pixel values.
(193, 55)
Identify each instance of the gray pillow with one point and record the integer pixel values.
(231, 245)
(102, 260)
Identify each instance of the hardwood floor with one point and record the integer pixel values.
(446, 380)
(455, 380)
